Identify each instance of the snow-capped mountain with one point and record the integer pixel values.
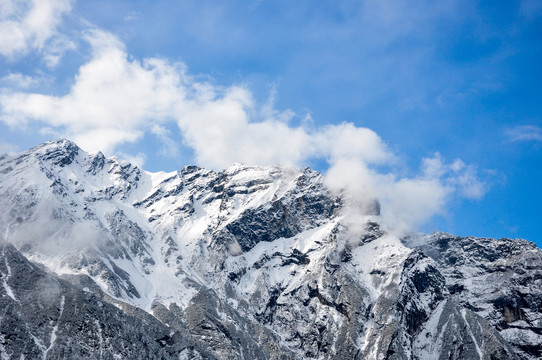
(247, 263)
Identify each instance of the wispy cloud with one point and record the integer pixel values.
(134, 15)
(525, 133)
(530, 9)
(169, 146)
(20, 81)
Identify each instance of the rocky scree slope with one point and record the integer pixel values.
(250, 262)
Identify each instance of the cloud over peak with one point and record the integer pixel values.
(116, 99)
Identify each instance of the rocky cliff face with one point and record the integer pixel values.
(250, 262)
(45, 317)
(500, 280)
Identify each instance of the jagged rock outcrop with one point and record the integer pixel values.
(498, 279)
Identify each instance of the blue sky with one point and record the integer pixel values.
(432, 106)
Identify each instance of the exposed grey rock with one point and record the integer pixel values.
(45, 317)
(500, 280)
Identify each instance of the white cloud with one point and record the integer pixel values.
(457, 175)
(409, 202)
(31, 25)
(116, 99)
(525, 133)
(406, 202)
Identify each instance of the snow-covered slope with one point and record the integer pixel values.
(251, 262)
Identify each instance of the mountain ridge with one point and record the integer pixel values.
(261, 262)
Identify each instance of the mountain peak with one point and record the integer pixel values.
(60, 143)
(259, 261)
(60, 152)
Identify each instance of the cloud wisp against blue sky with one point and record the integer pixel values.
(525, 133)
(377, 93)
